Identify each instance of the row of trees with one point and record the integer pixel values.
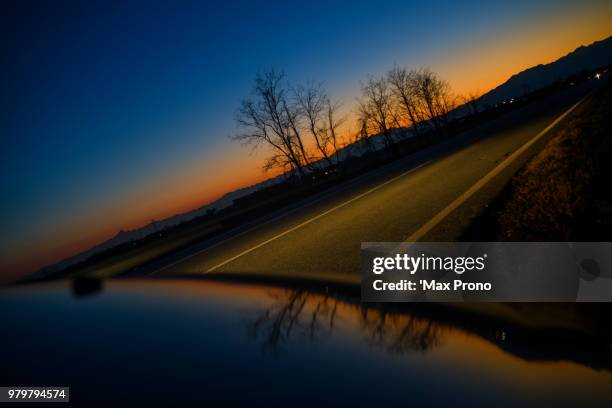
(300, 123)
(283, 117)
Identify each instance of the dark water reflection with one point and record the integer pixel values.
(250, 343)
(300, 313)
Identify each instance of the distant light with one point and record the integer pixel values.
(597, 75)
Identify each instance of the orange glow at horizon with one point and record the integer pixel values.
(502, 55)
(188, 189)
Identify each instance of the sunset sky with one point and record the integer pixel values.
(117, 114)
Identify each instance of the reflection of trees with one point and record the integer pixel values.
(312, 315)
(399, 332)
(294, 312)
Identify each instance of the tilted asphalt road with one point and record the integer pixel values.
(322, 234)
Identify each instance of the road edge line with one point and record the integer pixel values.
(434, 221)
(316, 217)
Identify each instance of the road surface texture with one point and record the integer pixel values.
(430, 196)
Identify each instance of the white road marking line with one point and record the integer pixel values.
(341, 189)
(315, 218)
(433, 222)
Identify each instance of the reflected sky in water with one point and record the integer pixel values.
(212, 340)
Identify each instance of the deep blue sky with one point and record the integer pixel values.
(106, 105)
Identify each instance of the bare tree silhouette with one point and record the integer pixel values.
(332, 124)
(363, 135)
(319, 116)
(269, 119)
(436, 99)
(404, 88)
(376, 108)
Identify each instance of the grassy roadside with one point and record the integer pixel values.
(563, 193)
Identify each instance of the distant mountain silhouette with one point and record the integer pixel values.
(125, 236)
(582, 58)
